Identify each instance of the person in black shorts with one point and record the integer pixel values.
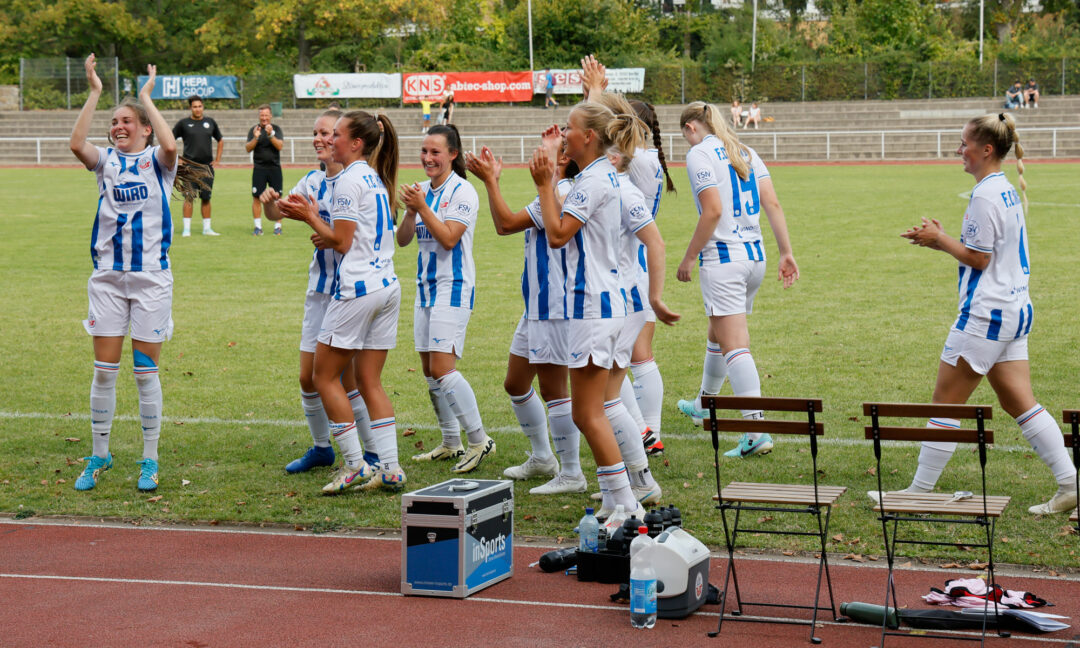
(264, 142)
(198, 133)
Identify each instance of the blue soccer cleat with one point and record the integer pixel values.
(148, 475)
(690, 409)
(315, 456)
(747, 448)
(94, 467)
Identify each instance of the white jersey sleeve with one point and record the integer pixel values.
(632, 267)
(648, 176)
(360, 197)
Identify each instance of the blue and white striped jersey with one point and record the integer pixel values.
(593, 286)
(447, 277)
(545, 268)
(994, 302)
(632, 266)
(737, 236)
(133, 226)
(648, 176)
(324, 263)
(368, 266)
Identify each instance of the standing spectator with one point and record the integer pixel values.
(1031, 94)
(447, 109)
(736, 113)
(549, 90)
(425, 109)
(1012, 96)
(753, 116)
(197, 132)
(264, 141)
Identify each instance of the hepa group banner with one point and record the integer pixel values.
(347, 86)
(569, 81)
(182, 87)
(468, 86)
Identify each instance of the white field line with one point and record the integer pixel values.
(502, 429)
(474, 599)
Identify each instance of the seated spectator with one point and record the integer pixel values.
(736, 113)
(753, 116)
(1012, 96)
(1031, 94)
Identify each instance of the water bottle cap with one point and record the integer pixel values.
(643, 530)
(588, 510)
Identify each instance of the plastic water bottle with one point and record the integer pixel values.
(642, 583)
(589, 528)
(640, 541)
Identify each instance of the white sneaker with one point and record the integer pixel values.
(186, 233)
(561, 484)
(876, 495)
(210, 232)
(533, 467)
(1059, 503)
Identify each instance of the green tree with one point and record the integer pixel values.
(616, 31)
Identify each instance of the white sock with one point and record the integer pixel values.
(615, 487)
(103, 405)
(277, 226)
(448, 423)
(205, 225)
(150, 404)
(565, 436)
(385, 431)
(933, 456)
(363, 420)
(348, 442)
(629, 401)
(649, 390)
(626, 432)
(743, 374)
(187, 224)
(258, 223)
(463, 402)
(1044, 435)
(714, 372)
(533, 420)
(317, 421)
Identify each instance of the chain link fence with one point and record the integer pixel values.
(61, 83)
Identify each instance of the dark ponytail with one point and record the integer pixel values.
(453, 143)
(380, 146)
(647, 114)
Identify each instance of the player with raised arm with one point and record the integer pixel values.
(441, 215)
(731, 185)
(361, 321)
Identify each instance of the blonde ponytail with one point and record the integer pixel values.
(1000, 132)
(709, 116)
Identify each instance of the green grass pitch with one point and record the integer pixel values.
(866, 322)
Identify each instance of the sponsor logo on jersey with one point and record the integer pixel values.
(971, 229)
(704, 174)
(637, 212)
(443, 206)
(343, 201)
(464, 209)
(578, 198)
(130, 192)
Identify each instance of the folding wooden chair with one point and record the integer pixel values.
(1072, 440)
(893, 508)
(811, 499)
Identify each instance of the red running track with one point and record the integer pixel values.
(65, 584)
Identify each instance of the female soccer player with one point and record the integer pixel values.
(590, 221)
(989, 337)
(361, 321)
(441, 214)
(730, 184)
(131, 286)
(538, 348)
(319, 184)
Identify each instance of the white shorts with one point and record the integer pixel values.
(624, 346)
(650, 314)
(729, 288)
(982, 354)
(368, 322)
(541, 341)
(440, 328)
(314, 312)
(137, 301)
(592, 339)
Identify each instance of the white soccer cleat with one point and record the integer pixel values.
(1059, 503)
(440, 453)
(474, 454)
(561, 484)
(533, 467)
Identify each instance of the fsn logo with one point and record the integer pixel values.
(419, 85)
(130, 192)
(486, 548)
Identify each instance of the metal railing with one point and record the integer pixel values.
(297, 149)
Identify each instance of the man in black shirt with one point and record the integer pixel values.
(197, 132)
(264, 142)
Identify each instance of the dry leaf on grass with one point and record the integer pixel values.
(73, 439)
(408, 432)
(155, 498)
(854, 557)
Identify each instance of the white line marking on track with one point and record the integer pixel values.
(505, 429)
(474, 599)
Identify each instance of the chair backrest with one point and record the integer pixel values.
(979, 435)
(810, 427)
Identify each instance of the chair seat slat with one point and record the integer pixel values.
(928, 410)
(941, 504)
(761, 426)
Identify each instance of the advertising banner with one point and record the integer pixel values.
(182, 87)
(569, 81)
(347, 86)
(468, 86)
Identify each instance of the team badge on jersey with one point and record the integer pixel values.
(971, 229)
(206, 125)
(578, 198)
(464, 209)
(704, 174)
(637, 212)
(144, 164)
(343, 201)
